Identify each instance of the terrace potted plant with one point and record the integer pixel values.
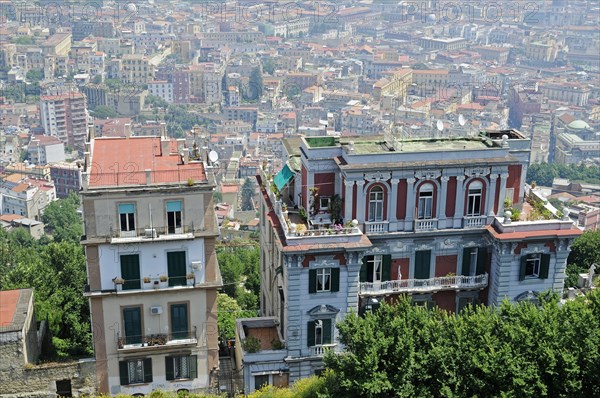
(301, 229)
(190, 279)
(147, 279)
(163, 280)
(118, 281)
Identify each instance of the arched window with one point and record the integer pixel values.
(425, 206)
(376, 204)
(474, 199)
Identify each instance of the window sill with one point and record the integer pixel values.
(136, 384)
(180, 380)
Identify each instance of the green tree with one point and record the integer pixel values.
(585, 251)
(255, 90)
(269, 65)
(228, 310)
(155, 102)
(34, 75)
(506, 351)
(239, 262)
(104, 112)
(97, 79)
(24, 40)
(62, 220)
(248, 195)
(217, 197)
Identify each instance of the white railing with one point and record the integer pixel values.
(426, 225)
(319, 350)
(474, 221)
(456, 282)
(376, 227)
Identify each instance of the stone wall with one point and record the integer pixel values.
(20, 380)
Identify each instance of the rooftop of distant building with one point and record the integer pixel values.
(135, 161)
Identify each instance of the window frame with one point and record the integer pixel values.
(472, 196)
(127, 220)
(536, 259)
(376, 204)
(138, 371)
(424, 198)
(176, 216)
(372, 263)
(323, 280)
(324, 202)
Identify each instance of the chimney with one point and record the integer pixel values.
(185, 155)
(148, 176)
(164, 147)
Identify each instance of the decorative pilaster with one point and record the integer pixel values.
(360, 201)
(489, 208)
(410, 203)
(459, 207)
(441, 203)
(348, 187)
(393, 203)
(502, 197)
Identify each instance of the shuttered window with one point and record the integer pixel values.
(536, 265)
(323, 280)
(422, 264)
(130, 271)
(319, 332)
(181, 367)
(176, 266)
(135, 371)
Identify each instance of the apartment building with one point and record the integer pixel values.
(65, 116)
(387, 217)
(153, 276)
(136, 68)
(44, 149)
(66, 178)
(26, 197)
(161, 89)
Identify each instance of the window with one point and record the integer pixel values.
(132, 325)
(324, 280)
(474, 261)
(425, 207)
(324, 203)
(376, 204)
(174, 216)
(319, 332)
(474, 199)
(135, 371)
(179, 321)
(376, 268)
(534, 265)
(261, 381)
(130, 271)
(181, 367)
(176, 266)
(422, 264)
(127, 217)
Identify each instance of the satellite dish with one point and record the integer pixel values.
(213, 156)
(439, 125)
(461, 120)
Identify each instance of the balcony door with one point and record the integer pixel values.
(179, 321)
(422, 264)
(376, 269)
(425, 205)
(132, 325)
(176, 266)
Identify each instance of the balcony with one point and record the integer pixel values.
(157, 341)
(154, 233)
(456, 282)
(474, 221)
(426, 225)
(320, 350)
(376, 227)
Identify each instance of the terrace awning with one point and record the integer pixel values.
(283, 177)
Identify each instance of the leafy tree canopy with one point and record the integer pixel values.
(62, 220)
(514, 350)
(104, 112)
(584, 252)
(544, 173)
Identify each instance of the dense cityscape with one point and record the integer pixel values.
(299, 199)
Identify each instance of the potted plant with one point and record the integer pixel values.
(301, 229)
(251, 344)
(163, 280)
(147, 279)
(190, 278)
(118, 281)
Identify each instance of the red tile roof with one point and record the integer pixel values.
(8, 305)
(123, 161)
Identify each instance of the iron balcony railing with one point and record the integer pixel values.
(157, 339)
(455, 282)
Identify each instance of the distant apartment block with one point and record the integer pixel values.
(65, 116)
(66, 178)
(43, 149)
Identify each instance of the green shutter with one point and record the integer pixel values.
(363, 270)
(386, 273)
(312, 281)
(326, 331)
(177, 268)
(544, 266)
(335, 279)
(130, 271)
(124, 373)
(523, 268)
(422, 264)
(148, 370)
(179, 321)
(310, 333)
(169, 371)
(132, 323)
(481, 260)
(193, 362)
(466, 262)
